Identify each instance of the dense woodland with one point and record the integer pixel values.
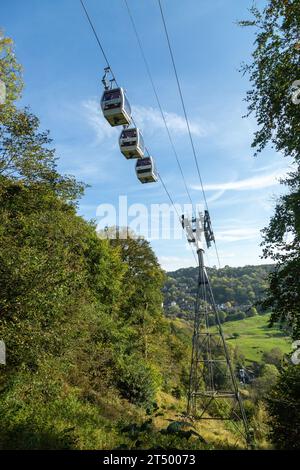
(92, 361)
(87, 347)
(237, 291)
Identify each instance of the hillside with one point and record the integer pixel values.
(91, 361)
(98, 340)
(253, 337)
(236, 290)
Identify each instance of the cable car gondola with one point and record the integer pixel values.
(146, 170)
(116, 108)
(132, 143)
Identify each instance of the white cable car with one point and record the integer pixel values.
(116, 108)
(132, 143)
(146, 170)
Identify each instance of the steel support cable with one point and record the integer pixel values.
(98, 40)
(102, 50)
(108, 65)
(185, 115)
(157, 98)
(205, 201)
(104, 54)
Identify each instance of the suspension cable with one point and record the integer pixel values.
(185, 115)
(98, 40)
(108, 65)
(157, 98)
(103, 53)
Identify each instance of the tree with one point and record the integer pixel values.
(267, 379)
(274, 68)
(42, 241)
(273, 71)
(234, 288)
(252, 312)
(10, 73)
(25, 155)
(81, 316)
(274, 356)
(283, 404)
(137, 381)
(142, 283)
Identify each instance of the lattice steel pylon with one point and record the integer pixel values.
(213, 388)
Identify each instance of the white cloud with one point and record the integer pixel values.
(95, 119)
(171, 263)
(215, 197)
(90, 170)
(277, 166)
(147, 118)
(150, 118)
(256, 182)
(235, 234)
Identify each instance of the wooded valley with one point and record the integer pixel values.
(98, 336)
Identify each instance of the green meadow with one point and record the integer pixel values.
(253, 337)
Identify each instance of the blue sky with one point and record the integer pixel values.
(63, 68)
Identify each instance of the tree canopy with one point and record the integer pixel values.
(273, 72)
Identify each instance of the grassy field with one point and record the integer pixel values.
(253, 337)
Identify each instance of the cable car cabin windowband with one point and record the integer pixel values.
(144, 172)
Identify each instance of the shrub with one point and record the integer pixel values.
(137, 381)
(283, 404)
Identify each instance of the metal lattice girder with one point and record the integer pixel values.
(213, 389)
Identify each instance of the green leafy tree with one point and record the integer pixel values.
(273, 71)
(274, 356)
(274, 68)
(10, 73)
(283, 404)
(252, 312)
(142, 284)
(267, 379)
(42, 240)
(136, 380)
(25, 156)
(234, 289)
